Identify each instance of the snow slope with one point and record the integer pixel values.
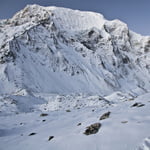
(74, 66)
(126, 129)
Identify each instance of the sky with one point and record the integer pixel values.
(135, 13)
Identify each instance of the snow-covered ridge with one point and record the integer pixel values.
(67, 19)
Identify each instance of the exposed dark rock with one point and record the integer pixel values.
(68, 110)
(90, 33)
(124, 121)
(86, 44)
(7, 56)
(43, 114)
(32, 134)
(125, 60)
(105, 115)
(79, 124)
(138, 105)
(147, 47)
(92, 129)
(50, 138)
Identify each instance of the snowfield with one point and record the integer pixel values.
(126, 128)
(72, 80)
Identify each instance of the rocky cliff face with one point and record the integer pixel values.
(58, 50)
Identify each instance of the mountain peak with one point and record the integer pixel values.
(64, 17)
(80, 47)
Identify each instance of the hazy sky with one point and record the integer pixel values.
(136, 13)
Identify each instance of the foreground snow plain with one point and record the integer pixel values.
(127, 128)
(61, 70)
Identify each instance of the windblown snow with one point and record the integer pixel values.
(60, 70)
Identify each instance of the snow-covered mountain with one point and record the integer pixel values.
(55, 58)
(59, 50)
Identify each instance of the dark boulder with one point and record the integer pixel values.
(105, 115)
(137, 105)
(50, 138)
(32, 134)
(43, 114)
(92, 129)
